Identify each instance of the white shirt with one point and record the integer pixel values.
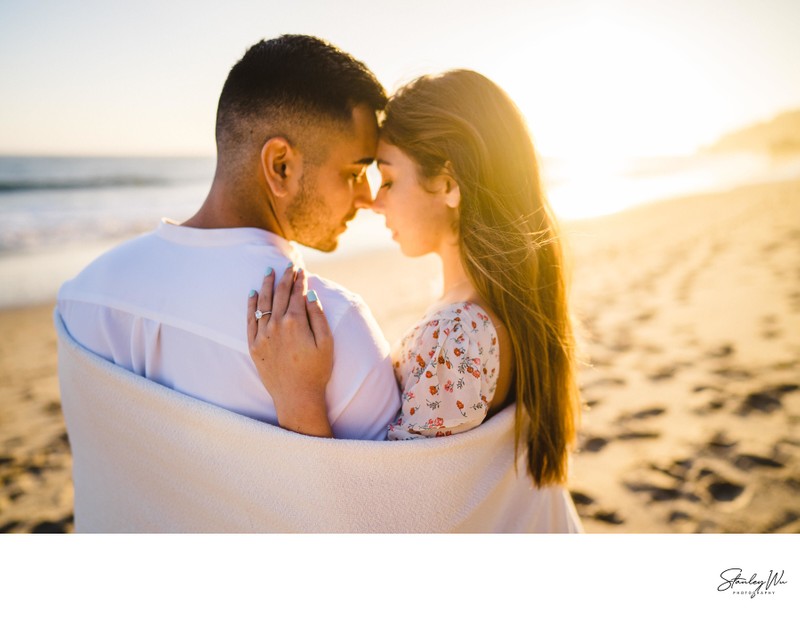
(171, 306)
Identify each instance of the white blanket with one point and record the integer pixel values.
(149, 459)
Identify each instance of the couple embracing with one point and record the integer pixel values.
(221, 308)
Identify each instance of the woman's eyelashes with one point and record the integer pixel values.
(386, 184)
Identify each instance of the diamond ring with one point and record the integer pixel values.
(259, 314)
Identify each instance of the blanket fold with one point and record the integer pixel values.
(149, 459)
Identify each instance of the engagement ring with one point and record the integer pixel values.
(259, 314)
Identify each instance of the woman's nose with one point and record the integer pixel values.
(377, 204)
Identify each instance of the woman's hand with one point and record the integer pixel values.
(292, 348)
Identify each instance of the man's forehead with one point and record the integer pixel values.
(356, 146)
(349, 149)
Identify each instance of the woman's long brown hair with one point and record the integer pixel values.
(509, 240)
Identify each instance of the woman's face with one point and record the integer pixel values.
(417, 215)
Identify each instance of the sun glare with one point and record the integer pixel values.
(615, 89)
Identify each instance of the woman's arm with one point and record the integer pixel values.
(292, 348)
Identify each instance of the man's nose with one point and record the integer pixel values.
(363, 194)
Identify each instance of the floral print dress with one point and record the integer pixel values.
(447, 368)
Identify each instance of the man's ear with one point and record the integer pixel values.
(280, 165)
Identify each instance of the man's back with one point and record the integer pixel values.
(171, 304)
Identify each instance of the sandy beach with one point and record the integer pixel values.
(689, 313)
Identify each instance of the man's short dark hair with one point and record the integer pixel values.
(288, 79)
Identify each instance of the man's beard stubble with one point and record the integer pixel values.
(305, 216)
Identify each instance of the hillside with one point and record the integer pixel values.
(778, 137)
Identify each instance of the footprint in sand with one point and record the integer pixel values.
(668, 371)
(649, 412)
(704, 472)
(9, 527)
(64, 525)
(678, 516)
(785, 521)
(657, 493)
(721, 351)
(766, 400)
(610, 517)
(678, 469)
(733, 373)
(749, 461)
(621, 343)
(60, 442)
(664, 373)
(632, 435)
(770, 328)
(52, 407)
(707, 399)
(592, 444)
(721, 443)
(711, 405)
(13, 442)
(606, 381)
(664, 483)
(645, 413)
(724, 491)
(581, 499)
(788, 441)
(15, 493)
(771, 248)
(794, 301)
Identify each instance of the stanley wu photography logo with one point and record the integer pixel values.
(738, 583)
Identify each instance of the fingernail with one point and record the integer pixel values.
(252, 293)
(312, 296)
(268, 271)
(289, 265)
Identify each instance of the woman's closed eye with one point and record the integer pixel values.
(387, 184)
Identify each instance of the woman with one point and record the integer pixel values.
(459, 179)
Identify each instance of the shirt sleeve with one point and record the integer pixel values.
(450, 389)
(362, 395)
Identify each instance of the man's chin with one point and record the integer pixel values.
(329, 245)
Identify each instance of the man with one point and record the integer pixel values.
(296, 128)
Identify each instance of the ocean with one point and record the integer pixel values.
(59, 213)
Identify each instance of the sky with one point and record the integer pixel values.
(593, 78)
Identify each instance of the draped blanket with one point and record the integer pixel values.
(149, 459)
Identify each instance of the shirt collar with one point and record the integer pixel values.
(217, 237)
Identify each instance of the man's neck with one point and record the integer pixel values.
(226, 207)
